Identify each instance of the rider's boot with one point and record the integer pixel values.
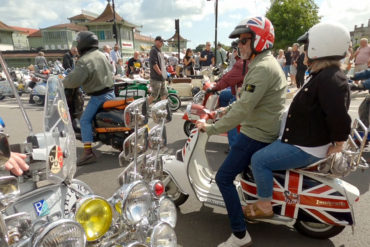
(234, 241)
(87, 157)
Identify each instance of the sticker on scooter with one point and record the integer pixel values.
(62, 110)
(291, 198)
(56, 159)
(41, 208)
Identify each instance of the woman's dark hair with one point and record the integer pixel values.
(187, 52)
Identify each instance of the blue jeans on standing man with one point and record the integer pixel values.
(286, 70)
(88, 115)
(235, 163)
(226, 98)
(276, 156)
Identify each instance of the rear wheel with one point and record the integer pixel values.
(174, 102)
(317, 230)
(173, 191)
(188, 126)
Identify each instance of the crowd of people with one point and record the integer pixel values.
(314, 126)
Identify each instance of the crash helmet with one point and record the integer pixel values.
(262, 30)
(326, 40)
(85, 41)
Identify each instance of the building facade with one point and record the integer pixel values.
(360, 32)
(6, 38)
(60, 37)
(20, 37)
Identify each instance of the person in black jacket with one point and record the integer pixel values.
(301, 68)
(317, 123)
(68, 62)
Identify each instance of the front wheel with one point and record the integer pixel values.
(317, 230)
(174, 102)
(173, 191)
(188, 127)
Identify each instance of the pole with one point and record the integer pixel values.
(216, 18)
(177, 28)
(115, 23)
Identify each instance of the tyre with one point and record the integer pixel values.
(174, 102)
(2, 97)
(317, 230)
(173, 191)
(188, 126)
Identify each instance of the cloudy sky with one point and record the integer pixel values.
(157, 16)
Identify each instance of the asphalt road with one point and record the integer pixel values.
(199, 225)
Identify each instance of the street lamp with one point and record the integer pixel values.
(216, 17)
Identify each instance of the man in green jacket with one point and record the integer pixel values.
(258, 111)
(94, 73)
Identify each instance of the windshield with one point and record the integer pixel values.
(59, 133)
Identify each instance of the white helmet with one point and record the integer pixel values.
(326, 40)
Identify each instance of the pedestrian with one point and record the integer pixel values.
(258, 111)
(189, 62)
(362, 55)
(206, 57)
(69, 58)
(301, 67)
(106, 50)
(134, 65)
(220, 56)
(234, 55)
(158, 72)
(120, 68)
(40, 61)
(288, 62)
(93, 72)
(293, 66)
(281, 58)
(173, 60)
(316, 124)
(115, 54)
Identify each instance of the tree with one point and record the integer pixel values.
(291, 19)
(199, 48)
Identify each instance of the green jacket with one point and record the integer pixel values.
(261, 103)
(92, 71)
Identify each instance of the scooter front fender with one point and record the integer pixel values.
(178, 173)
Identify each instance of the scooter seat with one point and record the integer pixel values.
(117, 103)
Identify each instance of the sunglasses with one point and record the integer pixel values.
(244, 41)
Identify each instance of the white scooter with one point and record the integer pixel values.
(313, 200)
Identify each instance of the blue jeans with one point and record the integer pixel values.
(226, 98)
(89, 113)
(235, 163)
(276, 156)
(286, 70)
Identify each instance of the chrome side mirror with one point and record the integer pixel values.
(155, 137)
(160, 111)
(4, 149)
(9, 190)
(129, 115)
(129, 144)
(128, 175)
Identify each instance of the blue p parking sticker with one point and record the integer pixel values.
(41, 208)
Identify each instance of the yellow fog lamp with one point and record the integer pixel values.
(95, 216)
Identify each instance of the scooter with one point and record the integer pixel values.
(201, 101)
(37, 95)
(139, 87)
(313, 199)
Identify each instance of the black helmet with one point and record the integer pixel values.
(85, 41)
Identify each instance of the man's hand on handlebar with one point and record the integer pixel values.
(211, 90)
(201, 125)
(16, 163)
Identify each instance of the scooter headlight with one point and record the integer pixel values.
(95, 215)
(137, 203)
(62, 233)
(163, 235)
(167, 211)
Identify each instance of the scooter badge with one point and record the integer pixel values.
(62, 110)
(41, 208)
(56, 159)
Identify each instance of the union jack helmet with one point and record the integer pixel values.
(263, 34)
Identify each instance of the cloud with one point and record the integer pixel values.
(346, 12)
